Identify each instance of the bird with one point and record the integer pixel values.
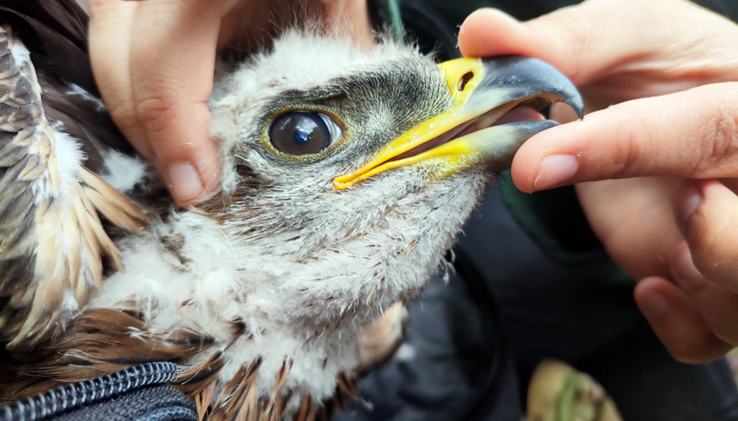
(347, 175)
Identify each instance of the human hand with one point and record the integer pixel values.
(154, 62)
(670, 66)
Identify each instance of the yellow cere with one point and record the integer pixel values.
(462, 76)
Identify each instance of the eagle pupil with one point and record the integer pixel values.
(300, 133)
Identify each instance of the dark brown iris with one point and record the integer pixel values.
(301, 132)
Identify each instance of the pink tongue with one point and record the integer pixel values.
(519, 114)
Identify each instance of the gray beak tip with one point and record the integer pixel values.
(528, 77)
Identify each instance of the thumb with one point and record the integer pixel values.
(598, 38)
(571, 39)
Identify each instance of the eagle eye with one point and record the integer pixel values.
(303, 132)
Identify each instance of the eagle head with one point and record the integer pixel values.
(349, 173)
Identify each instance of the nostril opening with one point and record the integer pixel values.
(464, 80)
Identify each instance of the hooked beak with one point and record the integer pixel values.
(483, 90)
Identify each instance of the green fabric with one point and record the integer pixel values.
(574, 244)
(387, 15)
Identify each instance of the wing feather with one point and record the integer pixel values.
(50, 231)
(113, 205)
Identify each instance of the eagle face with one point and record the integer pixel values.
(327, 117)
(312, 129)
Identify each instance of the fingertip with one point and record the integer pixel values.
(186, 152)
(189, 157)
(678, 325)
(526, 162)
(705, 212)
(521, 176)
(685, 273)
(192, 182)
(685, 200)
(189, 185)
(210, 171)
(184, 182)
(547, 160)
(650, 300)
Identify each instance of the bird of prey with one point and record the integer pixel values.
(346, 177)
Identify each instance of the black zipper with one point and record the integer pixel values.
(55, 401)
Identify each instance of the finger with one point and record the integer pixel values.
(717, 305)
(111, 22)
(350, 17)
(489, 32)
(706, 212)
(690, 134)
(642, 221)
(596, 38)
(679, 326)
(172, 60)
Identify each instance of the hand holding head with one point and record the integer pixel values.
(154, 62)
(614, 54)
(659, 79)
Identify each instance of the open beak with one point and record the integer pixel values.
(483, 91)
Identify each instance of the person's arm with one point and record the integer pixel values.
(154, 61)
(670, 67)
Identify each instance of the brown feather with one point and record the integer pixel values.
(49, 223)
(194, 380)
(56, 29)
(118, 208)
(282, 375)
(98, 342)
(204, 400)
(307, 411)
(232, 401)
(104, 341)
(253, 409)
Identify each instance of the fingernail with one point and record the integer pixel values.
(687, 199)
(654, 306)
(685, 273)
(556, 169)
(185, 181)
